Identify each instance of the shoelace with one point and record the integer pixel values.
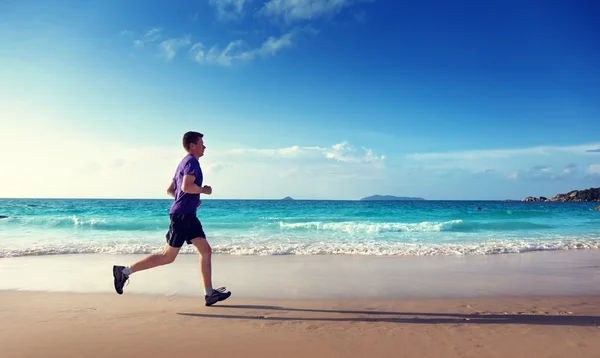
(219, 290)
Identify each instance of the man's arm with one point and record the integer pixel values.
(171, 189)
(188, 186)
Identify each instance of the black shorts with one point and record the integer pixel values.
(184, 228)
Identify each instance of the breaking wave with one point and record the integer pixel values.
(73, 221)
(367, 247)
(358, 227)
(425, 226)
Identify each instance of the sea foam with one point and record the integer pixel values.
(361, 227)
(366, 247)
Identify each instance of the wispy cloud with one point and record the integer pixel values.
(293, 151)
(171, 46)
(197, 51)
(543, 173)
(594, 169)
(503, 153)
(150, 36)
(228, 10)
(239, 51)
(531, 164)
(235, 51)
(593, 150)
(341, 152)
(344, 152)
(293, 10)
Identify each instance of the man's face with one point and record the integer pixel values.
(197, 149)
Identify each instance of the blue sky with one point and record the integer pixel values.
(321, 99)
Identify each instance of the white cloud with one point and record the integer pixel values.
(338, 171)
(291, 10)
(171, 46)
(504, 153)
(238, 51)
(152, 35)
(594, 169)
(310, 172)
(197, 51)
(543, 173)
(228, 10)
(293, 151)
(214, 56)
(543, 165)
(341, 152)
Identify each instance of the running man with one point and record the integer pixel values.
(185, 188)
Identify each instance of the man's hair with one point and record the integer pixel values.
(191, 138)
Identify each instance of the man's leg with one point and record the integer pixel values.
(205, 251)
(176, 236)
(166, 257)
(121, 273)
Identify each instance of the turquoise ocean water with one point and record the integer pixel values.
(263, 227)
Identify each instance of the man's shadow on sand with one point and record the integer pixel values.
(409, 317)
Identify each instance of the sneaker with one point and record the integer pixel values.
(120, 278)
(218, 295)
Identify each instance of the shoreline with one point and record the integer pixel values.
(380, 248)
(542, 273)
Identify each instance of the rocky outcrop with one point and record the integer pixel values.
(591, 194)
(531, 198)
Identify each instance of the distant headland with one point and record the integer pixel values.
(591, 194)
(388, 198)
(287, 198)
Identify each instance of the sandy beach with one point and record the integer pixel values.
(526, 305)
(103, 325)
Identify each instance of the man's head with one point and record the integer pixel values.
(194, 144)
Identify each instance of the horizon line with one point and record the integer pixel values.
(242, 199)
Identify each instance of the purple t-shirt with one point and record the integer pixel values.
(186, 203)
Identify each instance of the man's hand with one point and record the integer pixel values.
(207, 190)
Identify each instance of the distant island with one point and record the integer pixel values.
(389, 198)
(591, 194)
(287, 198)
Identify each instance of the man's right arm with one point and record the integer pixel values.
(188, 186)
